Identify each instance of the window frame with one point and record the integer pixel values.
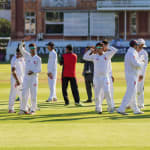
(133, 15)
(30, 17)
(54, 23)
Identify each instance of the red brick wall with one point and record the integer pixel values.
(20, 18)
(142, 22)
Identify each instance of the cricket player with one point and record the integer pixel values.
(133, 64)
(17, 75)
(140, 86)
(52, 72)
(101, 80)
(111, 78)
(30, 82)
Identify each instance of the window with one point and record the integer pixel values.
(30, 23)
(54, 22)
(133, 23)
(4, 4)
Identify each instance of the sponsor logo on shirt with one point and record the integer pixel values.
(35, 62)
(34, 84)
(105, 58)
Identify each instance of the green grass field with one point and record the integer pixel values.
(56, 127)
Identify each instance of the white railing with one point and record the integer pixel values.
(122, 3)
(59, 3)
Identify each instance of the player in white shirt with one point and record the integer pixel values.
(140, 86)
(133, 63)
(101, 80)
(30, 82)
(17, 75)
(106, 48)
(52, 72)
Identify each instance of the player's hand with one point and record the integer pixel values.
(50, 75)
(113, 79)
(140, 78)
(17, 83)
(30, 73)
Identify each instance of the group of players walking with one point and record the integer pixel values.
(25, 67)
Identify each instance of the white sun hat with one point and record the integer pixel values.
(141, 41)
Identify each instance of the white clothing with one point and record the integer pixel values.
(140, 86)
(133, 63)
(30, 82)
(52, 63)
(19, 66)
(101, 77)
(52, 68)
(52, 87)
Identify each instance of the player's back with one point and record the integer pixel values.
(69, 68)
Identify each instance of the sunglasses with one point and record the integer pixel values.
(99, 47)
(32, 48)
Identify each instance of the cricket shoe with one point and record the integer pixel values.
(78, 104)
(22, 112)
(54, 99)
(88, 101)
(32, 113)
(11, 111)
(122, 113)
(49, 100)
(111, 110)
(138, 112)
(98, 111)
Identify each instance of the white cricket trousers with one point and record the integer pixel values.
(102, 84)
(30, 84)
(52, 87)
(15, 90)
(130, 95)
(111, 90)
(140, 93)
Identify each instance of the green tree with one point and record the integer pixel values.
(5, 28)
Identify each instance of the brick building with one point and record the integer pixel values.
(80, 19)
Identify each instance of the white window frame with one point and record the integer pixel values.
(29, 17)
(133, 16)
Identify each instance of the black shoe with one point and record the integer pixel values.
(100, 113)
(88, 101)
(66, 104)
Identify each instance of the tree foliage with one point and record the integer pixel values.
(5, 28)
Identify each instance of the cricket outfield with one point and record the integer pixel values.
(56, 127)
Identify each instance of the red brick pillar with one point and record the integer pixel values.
(19, 18)
(39, 17)
(13, 19)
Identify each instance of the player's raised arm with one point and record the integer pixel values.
(89, 55)
(112, 50)
(22, 49)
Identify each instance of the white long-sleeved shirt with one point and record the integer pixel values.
(31, 63)
(143, 54)
(52, 63)
(101, 63)
(19, 65)
(133, 63)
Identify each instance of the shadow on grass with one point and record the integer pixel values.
(71, 116)
(61, 116)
